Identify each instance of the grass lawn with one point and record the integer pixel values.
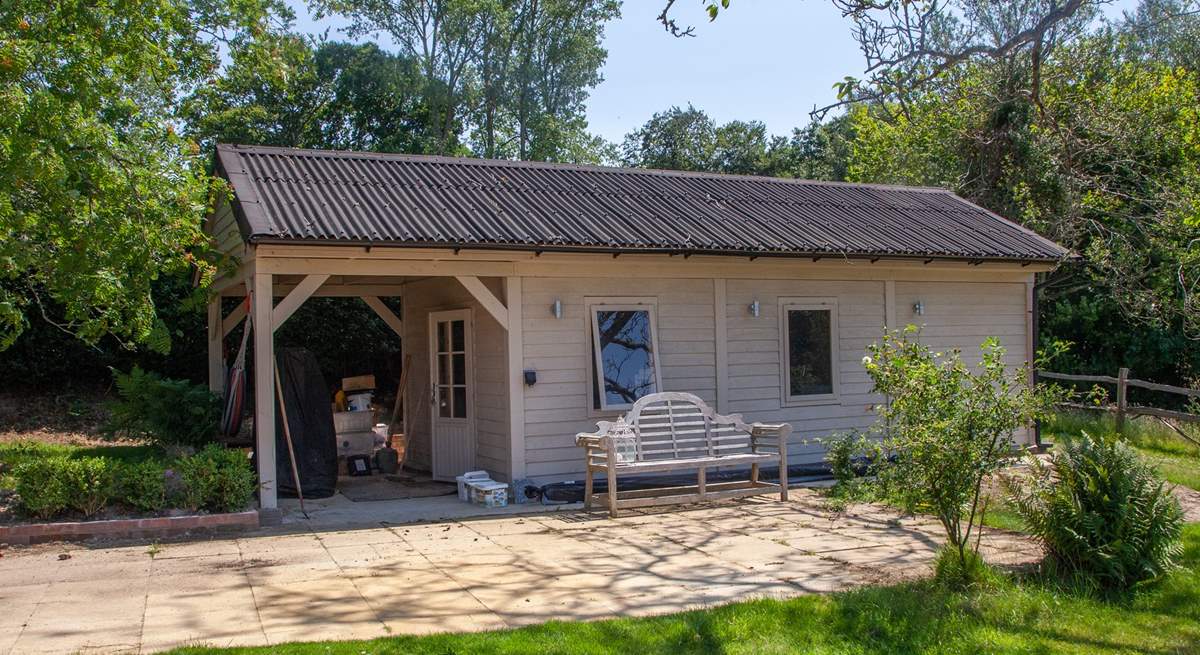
(1012, 617)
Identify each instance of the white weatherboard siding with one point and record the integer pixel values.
(223, 227)
(957, 314)
(491, 373)
(559, 406)
(755, 383)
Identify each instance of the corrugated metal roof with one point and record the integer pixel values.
(303, 196)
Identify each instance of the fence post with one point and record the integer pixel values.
(1122, 376)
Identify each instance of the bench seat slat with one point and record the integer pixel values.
(647, 466)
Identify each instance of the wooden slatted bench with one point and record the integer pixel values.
(673, 431)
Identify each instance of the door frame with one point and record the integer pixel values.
(467, 316)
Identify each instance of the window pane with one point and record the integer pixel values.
(626, 356)
(443, 369)
(810, 362)
(441, 337)
(460, 402)
(460, 368)
(444, 402)
(458, 330)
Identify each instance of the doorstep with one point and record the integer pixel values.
(154, 527)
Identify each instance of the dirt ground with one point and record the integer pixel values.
(70, 419)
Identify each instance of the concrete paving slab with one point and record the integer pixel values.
(320, 580)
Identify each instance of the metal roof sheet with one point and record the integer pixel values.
(305, 196)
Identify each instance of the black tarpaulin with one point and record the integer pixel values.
(310, 419)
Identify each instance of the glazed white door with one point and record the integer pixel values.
(452, 382)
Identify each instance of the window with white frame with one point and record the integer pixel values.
(624, 355)
(808, 349)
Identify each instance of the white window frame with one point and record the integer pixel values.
(595, 385)
(807, 304)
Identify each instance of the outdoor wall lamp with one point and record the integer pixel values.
(556, 308)
(530, 377)
(755, 309)
(919, 308)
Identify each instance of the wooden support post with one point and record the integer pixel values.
(264, 390)
(721, 330)
(1122, 386)
(516, 380)
(216, 347)
(701, 480)
(889, 305)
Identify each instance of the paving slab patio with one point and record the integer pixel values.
(316, 581)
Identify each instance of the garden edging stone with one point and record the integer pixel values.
(159, 526)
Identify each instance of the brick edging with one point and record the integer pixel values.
(158, 526)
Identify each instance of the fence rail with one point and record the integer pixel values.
(1122, 408)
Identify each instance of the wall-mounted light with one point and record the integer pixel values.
(755, 309)
(556, 308)
(530, 376)
(919, 308)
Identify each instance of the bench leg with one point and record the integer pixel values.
(587, 490)
(612, 491)
(754, 474)
(701, 479)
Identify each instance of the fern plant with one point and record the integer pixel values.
(1106, 519)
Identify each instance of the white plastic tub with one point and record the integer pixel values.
(464, 493)
(344, 422)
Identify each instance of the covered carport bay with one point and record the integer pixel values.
(276, 280)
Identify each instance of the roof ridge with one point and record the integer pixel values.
(596, 168)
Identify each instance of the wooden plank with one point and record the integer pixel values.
(516, 377)
(1122, 396)
(486, 298)
(216, 347)
(1077, 378)
(1166, 388)
(288, 306)
(889, 305)
(264, 391)
(1163, 413)
(235, 317)
(721, 332)
(693, 497)
(384, 312)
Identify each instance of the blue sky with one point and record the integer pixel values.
(767, 60)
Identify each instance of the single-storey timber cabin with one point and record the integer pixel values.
(759, 295)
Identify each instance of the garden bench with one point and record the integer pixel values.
(673, 431)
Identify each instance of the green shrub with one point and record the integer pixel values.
(89, 483)
(1106, 519)
(166, 412)
(49, 486)
(216, 479)
(41, 487)
(143, 485)
(842, 453)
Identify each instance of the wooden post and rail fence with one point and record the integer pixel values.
(1122, 408)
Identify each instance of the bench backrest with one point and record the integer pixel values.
(676, 425)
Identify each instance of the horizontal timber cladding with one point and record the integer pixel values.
(491, 372)
(956, 314)
(755, 380)
(559, 349)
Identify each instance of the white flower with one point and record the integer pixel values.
(866, 360)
